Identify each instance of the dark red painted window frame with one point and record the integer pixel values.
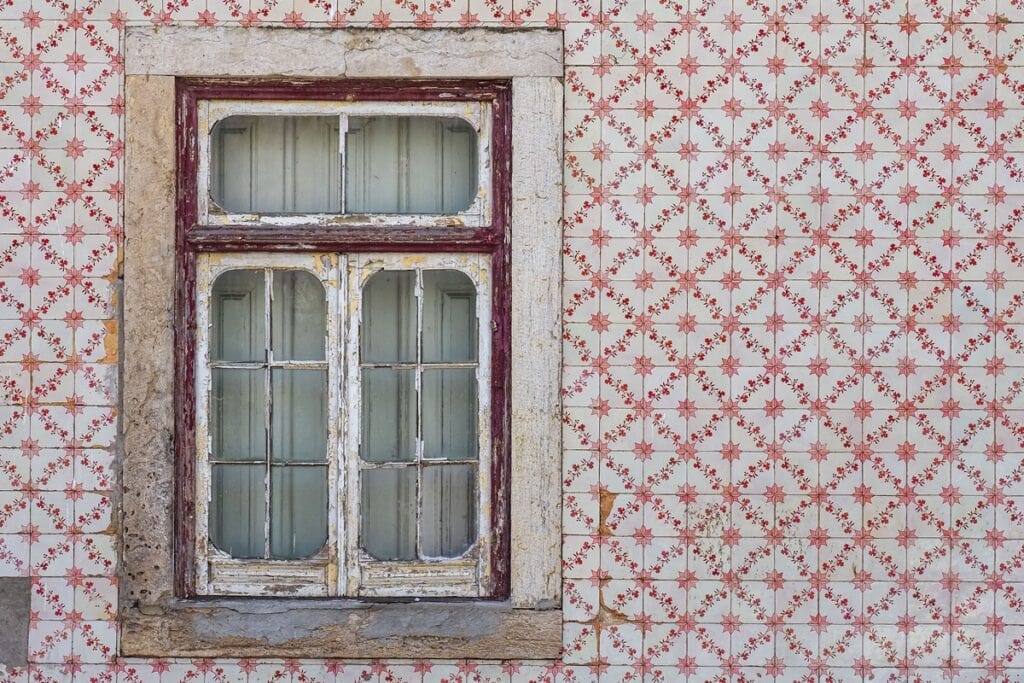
(191, 238)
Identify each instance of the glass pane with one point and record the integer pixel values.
(450, 414)
(449, 517)
(275, 164)
(237, 509)
(298, 417)
(236, 317)
(298, 511)
(298, 316)
(388, 529)
(389, 415)
(409, 164)
(389, 318)
(449, 317)
(237, 415)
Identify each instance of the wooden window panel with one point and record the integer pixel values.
(253, 570)
(469, 574)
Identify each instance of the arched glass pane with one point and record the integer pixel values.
(237, 328)
(298, 511)
(410, 165)
(275, 164)
(298, 316)
(449, 317)
(388, 331)
(237, 509)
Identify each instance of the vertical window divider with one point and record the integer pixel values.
(419, 413)
(268, 398)
(350, 513)
(338, 491)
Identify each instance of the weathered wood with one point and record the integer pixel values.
(342, 236)
(349, 239)
(216, 573)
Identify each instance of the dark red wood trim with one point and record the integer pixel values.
(366, 89)
(317, 238)
(192, 239)
(185, 347)
(501, 343)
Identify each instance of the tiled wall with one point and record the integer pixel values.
(795, 355)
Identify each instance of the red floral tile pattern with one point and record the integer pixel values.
(794, 306)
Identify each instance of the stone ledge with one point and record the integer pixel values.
(343, 53)
(349, 629)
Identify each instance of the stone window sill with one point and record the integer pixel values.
(340, 628)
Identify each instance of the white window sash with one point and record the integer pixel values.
(478, 114)
(342, 569)
(216, 572)
(467, 576)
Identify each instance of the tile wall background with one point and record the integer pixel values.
(794, 306)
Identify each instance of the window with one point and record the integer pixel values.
(349, 394)
(169, 243)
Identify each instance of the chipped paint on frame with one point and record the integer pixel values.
(341, 568)
(216, 572)
(479, 115)
(470, 574)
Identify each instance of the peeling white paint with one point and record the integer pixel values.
(341, 569)
(469, 575)
(477, 114)
(216, 572)
(535, 245)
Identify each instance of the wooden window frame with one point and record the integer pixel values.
(415, 236)
(217, 572)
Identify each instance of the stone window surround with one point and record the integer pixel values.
(155, 622)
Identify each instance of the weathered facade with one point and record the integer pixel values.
(791, 366)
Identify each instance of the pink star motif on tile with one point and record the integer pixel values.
(294, 20)
(206, 18)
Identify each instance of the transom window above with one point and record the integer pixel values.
(344, 163)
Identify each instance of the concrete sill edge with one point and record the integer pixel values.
(348, 629)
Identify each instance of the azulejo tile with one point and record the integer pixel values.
(785, 262)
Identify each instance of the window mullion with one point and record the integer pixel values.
(268, 404)
(352, 378)
(419, 413)
(337, 331)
